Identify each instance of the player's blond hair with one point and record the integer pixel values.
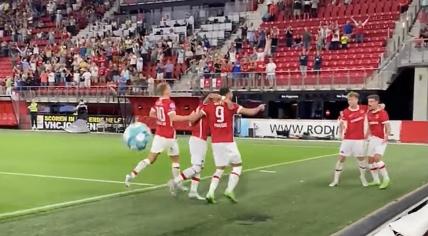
(353, 94)
(160, 89)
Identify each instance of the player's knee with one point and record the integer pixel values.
(218, 173)
(197, 169)
(237, 170)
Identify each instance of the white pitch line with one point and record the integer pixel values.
(70, 178)
(268, 171)
(122, 193)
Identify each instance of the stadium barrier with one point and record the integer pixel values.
(401, 131)
(327, 79)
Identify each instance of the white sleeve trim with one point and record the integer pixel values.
(385, 122)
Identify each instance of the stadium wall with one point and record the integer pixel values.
(402, 131)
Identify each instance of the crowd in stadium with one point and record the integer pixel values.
(55, 58)
(104, 58)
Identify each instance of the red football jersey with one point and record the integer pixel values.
(220, 119)
(200, 128)
(377, 120)
(355, 120)
(164, 107)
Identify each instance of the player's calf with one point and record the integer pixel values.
(214, 183)
(337, 171)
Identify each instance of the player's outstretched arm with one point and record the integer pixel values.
(195, 116)
(252, 111)
(178, 118)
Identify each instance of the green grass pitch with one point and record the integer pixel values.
(65, 184)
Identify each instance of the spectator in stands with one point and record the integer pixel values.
(289, 37)
(319, 43)
(231, 55)
(140, 63)
(344, 39)
(261, 43)
(244, 31)
(271, 72)
(51, 78)
(303, 62)
(359, 32)
(9, 86)
(76, 77)
(268, 45)
(307, 36)
(159, 70)
(328, 38)
(260, 55)
(4, 49)
(314, 8)
(274, 36)
(404, 5)
(236, 72)
(307, 6)
(151, 85)
(94, 73)
(251, 34)
(335, 41)
(87, 78)
(44, 78)
(297, 9)
(317, 62)
(347, 28)
(169, 70)
(238, 44)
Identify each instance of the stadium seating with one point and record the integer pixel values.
(350, 65)
(7, 114)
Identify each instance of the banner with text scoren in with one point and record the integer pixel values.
(59, 122)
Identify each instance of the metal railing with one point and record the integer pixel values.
(414, 52)
(331, 79)
(337, 79)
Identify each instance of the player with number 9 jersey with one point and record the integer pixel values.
(221, 120)
(220, 116)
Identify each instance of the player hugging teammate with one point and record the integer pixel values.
(215, 116)
(358, 124)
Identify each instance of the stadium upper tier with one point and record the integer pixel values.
(127, 49)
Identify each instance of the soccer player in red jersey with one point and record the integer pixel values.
(164, 139)
(220, 116)
(198, 149)
(353, 138)
(379, 131)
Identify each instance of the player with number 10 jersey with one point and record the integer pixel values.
(165, 114)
